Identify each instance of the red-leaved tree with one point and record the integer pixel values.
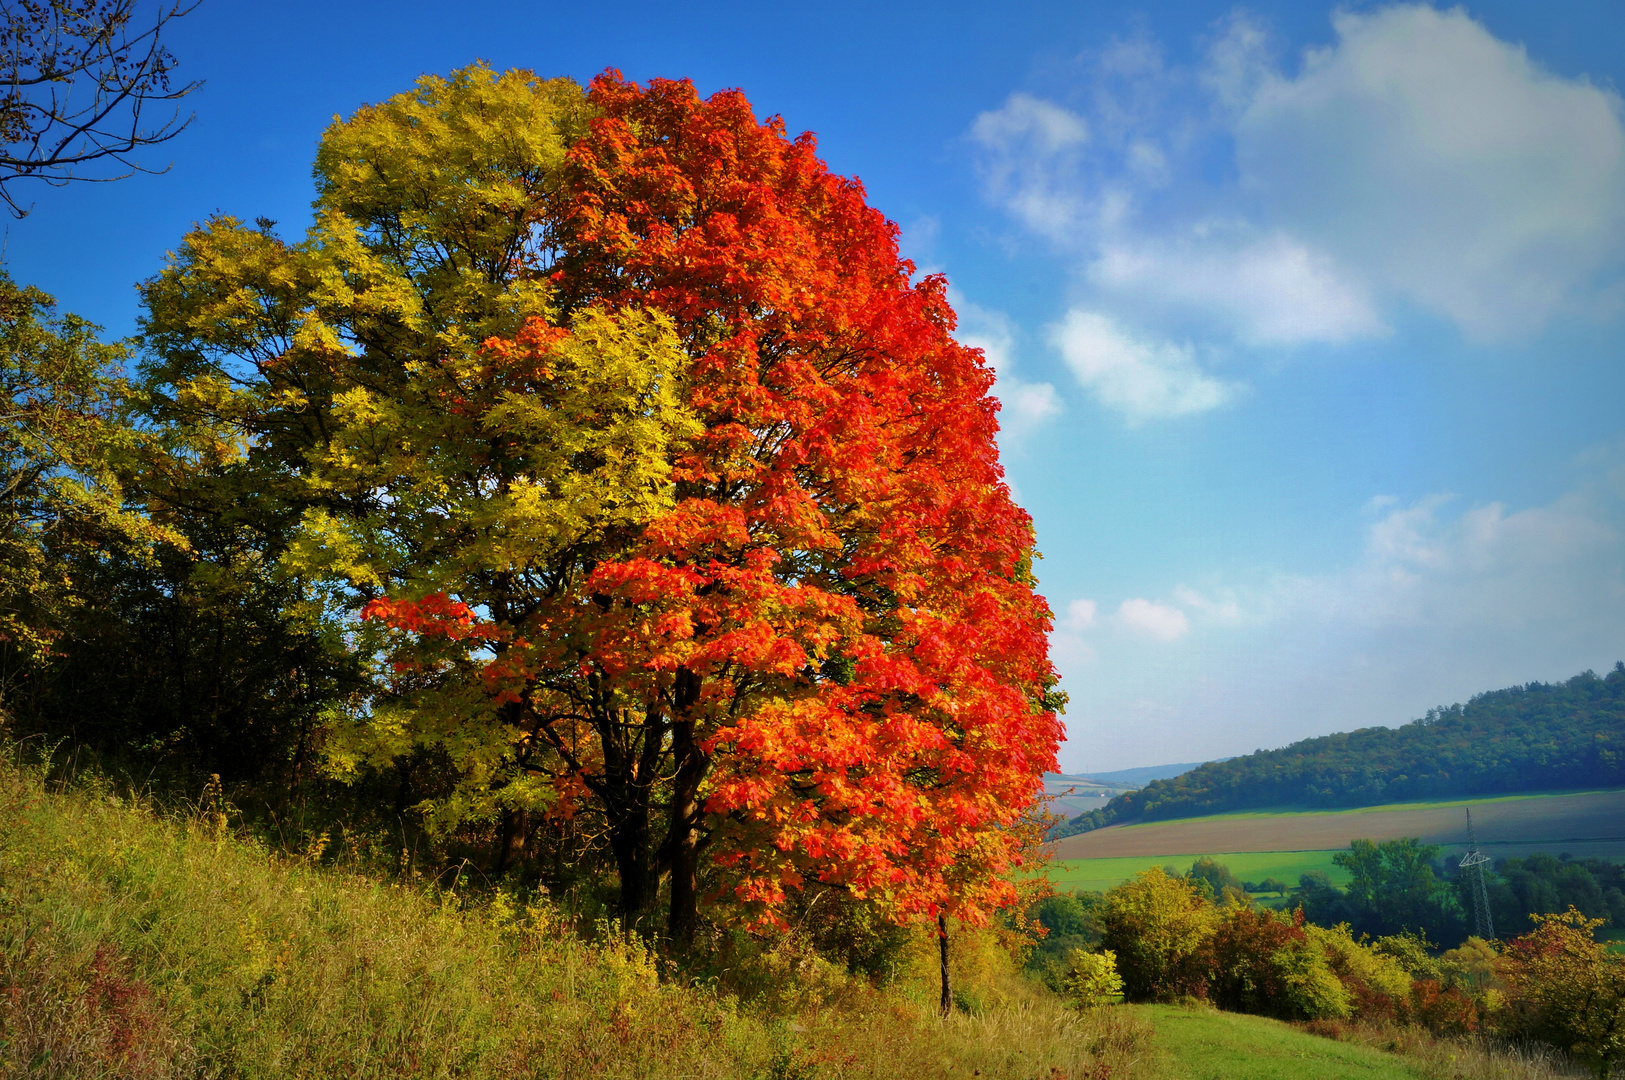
(824, 660)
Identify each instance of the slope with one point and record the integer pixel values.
(1537, 737)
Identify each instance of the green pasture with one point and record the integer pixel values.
(1203, 1044)
(1092, 875)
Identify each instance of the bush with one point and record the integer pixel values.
(1091, 979)
(1571, 990)
(1442, 1010)
(1266, 963)
(1377, 985)
(1158, 927)
(1470, 967)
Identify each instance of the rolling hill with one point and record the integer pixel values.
(1536, 737)
(1133, 778)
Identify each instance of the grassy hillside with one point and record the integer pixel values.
(145, 946)
(141, 946)
(1525, 738)
(1205, 1044)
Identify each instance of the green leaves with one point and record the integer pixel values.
(61, 435)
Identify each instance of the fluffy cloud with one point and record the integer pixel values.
(1224, 610)
(1484, 570)
(1444, 165)
(1026, 406)
(1031, 165)
(1142, 379)
(1157, 621)
(1264, 289)
(1441, 601)
(1080, 615)
(1416, 160)
(1067, 645)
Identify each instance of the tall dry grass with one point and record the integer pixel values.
(138, 944)
(1439, 1058)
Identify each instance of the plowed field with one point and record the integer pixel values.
(1590, 823)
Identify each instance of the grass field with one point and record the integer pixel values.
(1203, 1044)
(1287, 866)
(141, 945)
(1585, 824)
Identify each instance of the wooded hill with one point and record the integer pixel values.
(1543, 736)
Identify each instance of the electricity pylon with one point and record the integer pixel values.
(1474, 860)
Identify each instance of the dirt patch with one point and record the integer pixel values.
(1584, 824)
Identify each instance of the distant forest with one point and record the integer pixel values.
(1543, 736)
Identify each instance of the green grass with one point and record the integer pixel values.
(1203, 1044)
(146, 945)
(1287, 866)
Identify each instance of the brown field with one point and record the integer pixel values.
(1583, 824)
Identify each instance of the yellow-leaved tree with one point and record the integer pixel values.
(1575, 985)
(393, 397)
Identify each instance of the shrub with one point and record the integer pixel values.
(1092, 979)
(1470, 967)
(1158, 926)
(1377, 985)
(1442, 1010)
(1572, 989)
(1243, 976)
(1412, 950)
(1310, 988)
(1265, 962)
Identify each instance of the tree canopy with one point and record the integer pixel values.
(671, 507)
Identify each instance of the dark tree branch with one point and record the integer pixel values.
(76, 77)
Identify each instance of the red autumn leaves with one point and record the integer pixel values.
(838, 605)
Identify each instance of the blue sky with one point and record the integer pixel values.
(1309, 321)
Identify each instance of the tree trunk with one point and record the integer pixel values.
(629, 841)
(947, 1004)
(683, 835)
(515, 830)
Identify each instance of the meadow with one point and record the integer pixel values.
(147, 944)
(1199, 1043)
(1098, 875)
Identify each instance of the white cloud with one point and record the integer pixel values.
(1268, 290)
(1482, 569)
(1445, 165)
(1067, 645)
(1224, 610)
(1033, 146)
(1080, 615)
(1025, 406)
(1142, 379)
(1147, 619)
(1415, 160)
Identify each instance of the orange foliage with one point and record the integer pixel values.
(833, 634)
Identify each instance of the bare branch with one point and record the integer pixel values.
(76, 78)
